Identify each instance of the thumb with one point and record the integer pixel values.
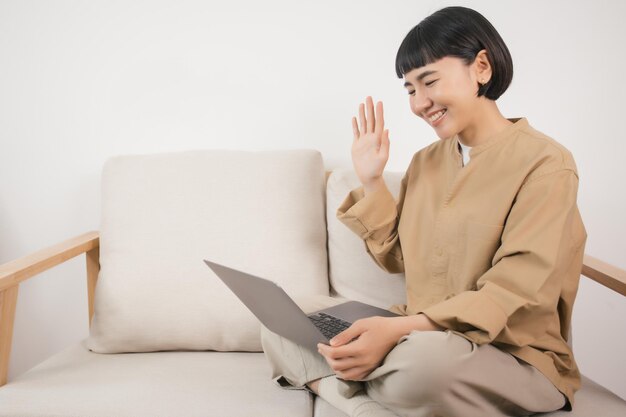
(346, 336)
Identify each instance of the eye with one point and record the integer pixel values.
(411, 93)
(429, 83)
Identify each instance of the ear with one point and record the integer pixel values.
(482, 67)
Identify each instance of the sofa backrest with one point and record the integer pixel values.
(260, 212)
(352, 273)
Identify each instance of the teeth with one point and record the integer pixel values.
(436, 116)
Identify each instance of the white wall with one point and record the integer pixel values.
(81, 81)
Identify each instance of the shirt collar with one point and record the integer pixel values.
(518, 123)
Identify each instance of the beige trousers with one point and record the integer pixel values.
(428, 374)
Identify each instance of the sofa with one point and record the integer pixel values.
(167, 337)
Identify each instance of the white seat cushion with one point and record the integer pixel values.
(80, 383)
(591, 401)
(352, 273)
(260, 212)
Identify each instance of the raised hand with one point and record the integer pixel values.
(370, 147)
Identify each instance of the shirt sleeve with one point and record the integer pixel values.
(516, 298)
(374, 218)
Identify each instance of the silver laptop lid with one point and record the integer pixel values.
(271, 305)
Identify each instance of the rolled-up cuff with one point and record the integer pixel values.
(365, 214)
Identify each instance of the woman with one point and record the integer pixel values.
(488, 234)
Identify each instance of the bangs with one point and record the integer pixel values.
(415, 52)
(425, 44)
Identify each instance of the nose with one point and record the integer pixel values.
(420, 102)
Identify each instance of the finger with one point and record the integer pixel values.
(346, 336)
(340, 365)
(340, 352)
(350, 350)
(355, 129)
(354, 374)
(322, 349)
(370, 114)
(380, 121)
(362, 118)
(331, 353)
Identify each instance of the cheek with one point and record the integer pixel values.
(449, 94)
(462, 98)
(438, 95)
(467, 91)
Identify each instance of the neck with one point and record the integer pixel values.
(487, 122)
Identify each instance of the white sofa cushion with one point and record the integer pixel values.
(80, 383)
(591, 400)
(261, 212)
(353, 274)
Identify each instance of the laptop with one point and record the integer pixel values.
(280, 314)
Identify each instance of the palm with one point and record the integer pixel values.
(370, 147)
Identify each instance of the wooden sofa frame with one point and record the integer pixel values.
(14, 272)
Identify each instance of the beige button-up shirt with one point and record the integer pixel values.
(492, 250)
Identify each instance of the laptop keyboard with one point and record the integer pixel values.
(330, 326)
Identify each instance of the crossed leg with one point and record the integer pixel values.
(426, 374)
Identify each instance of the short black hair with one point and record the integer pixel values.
(458, 32)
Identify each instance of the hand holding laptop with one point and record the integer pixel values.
(357, 351)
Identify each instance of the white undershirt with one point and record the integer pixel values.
(465, 150)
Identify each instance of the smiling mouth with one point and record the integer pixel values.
(435, 117)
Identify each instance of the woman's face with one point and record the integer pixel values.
(444, 94)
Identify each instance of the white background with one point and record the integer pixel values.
(81, 81)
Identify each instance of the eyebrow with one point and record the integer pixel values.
(420, 77)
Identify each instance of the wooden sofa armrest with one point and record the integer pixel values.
(14, 272)
(608, 275)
